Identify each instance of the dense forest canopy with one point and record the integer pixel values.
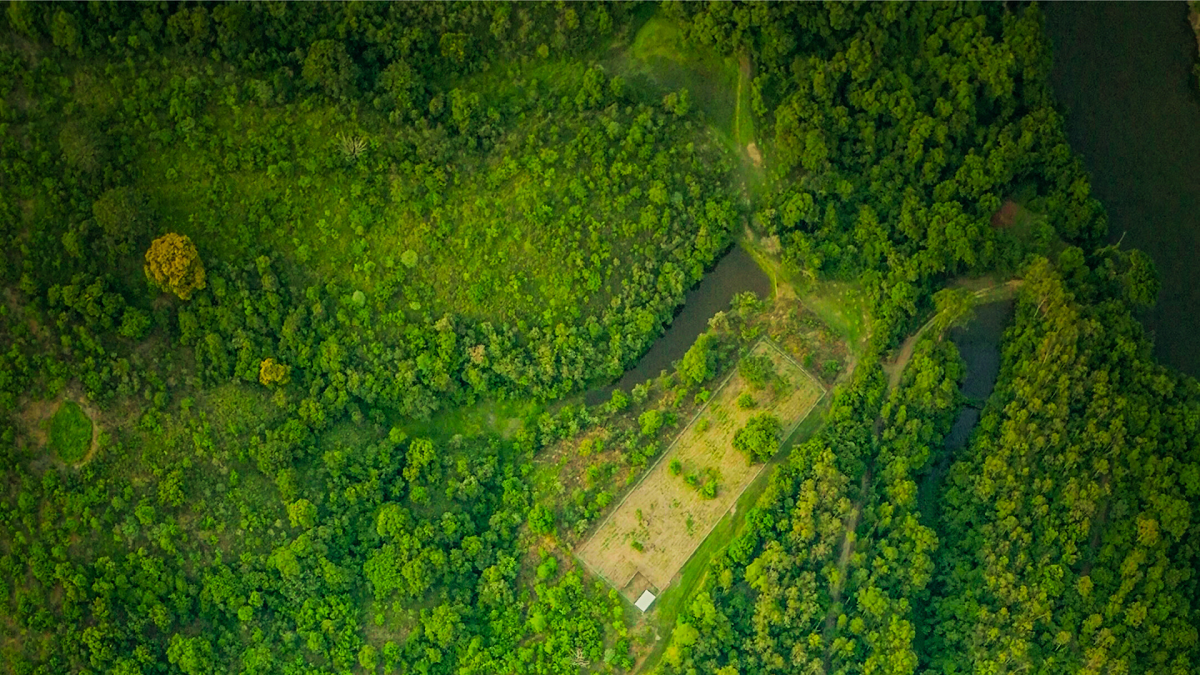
(298, 299)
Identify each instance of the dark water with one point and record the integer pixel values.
(979, 344)
(1122, 74)
(735, 273)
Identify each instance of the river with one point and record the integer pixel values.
(735, 273)
(1122, 75)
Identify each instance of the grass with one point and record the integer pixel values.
(839, 304)
(842, 307)
(667, 516)
(70, 432)
(491, 416)
(658, 61)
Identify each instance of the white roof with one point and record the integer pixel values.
(643, 602)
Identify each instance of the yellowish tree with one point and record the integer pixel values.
(173, 264)
(271, 372)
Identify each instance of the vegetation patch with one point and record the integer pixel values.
(667, 516)
(70, 432)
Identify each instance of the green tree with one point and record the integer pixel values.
(696, 365)
(329, 68)
(541, 519)
(64, 30)
(173, 264)
(193, 655)
(302, 514)
(759, 438)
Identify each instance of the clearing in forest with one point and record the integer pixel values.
(664, 519)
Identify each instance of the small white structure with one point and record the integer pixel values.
(643, 602)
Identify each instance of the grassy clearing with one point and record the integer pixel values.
(70, 432)
(499, 417)
(658, 62)
(662, 522)
(839, 304)
(842, 306)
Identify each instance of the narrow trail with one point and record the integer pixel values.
(991, 293)
(848, 541)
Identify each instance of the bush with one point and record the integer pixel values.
(651, 421)
(745, 401)
(759, 439)
(541, 520)
(757, 370)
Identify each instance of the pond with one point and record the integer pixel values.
(735, 273)
(979, 345)
(1123, 76)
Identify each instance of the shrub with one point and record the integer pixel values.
(541, 519)
(651, 421)
(757, 370)
(759, 439)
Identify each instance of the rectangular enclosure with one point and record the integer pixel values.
(663, 520)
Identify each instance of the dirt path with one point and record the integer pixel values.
(990, 293)
(848, 541)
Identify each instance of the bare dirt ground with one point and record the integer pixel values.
(753, 153)
(664, 515)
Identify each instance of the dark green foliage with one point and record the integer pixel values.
(328, 67)
(120, 213)
(421, 206)
(852, 564)
(70, 432)
(898, 132)
(759, 438)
